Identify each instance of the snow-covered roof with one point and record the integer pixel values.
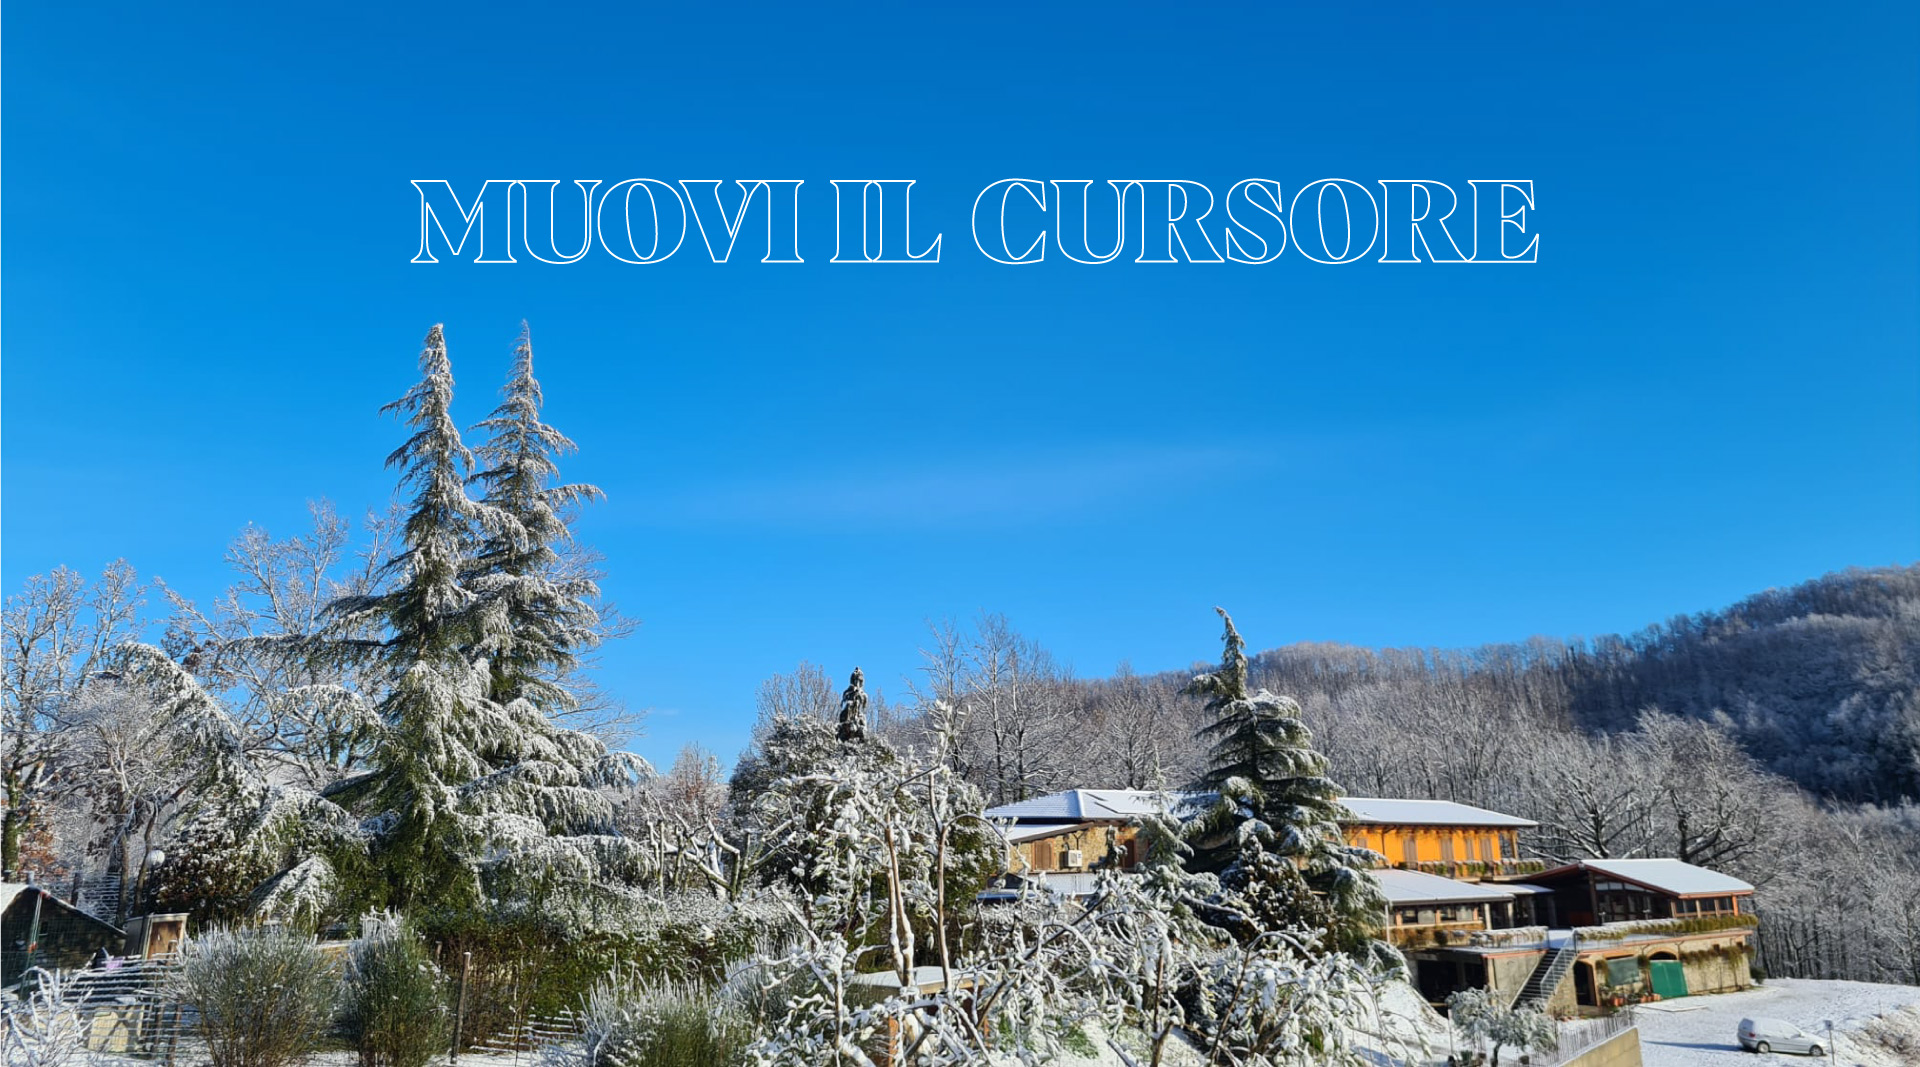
(1416, 887)
(1085, 805)
(1017, 834)
(10, 891)
(1393, 812)
(1664, 875)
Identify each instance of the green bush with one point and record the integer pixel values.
(396, 999)
(265, 997)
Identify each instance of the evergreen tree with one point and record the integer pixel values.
(1273, 834)
(853, 709)
(537, 616)
(474, 801)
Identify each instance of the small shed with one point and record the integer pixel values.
(153, 936)
(38, 929)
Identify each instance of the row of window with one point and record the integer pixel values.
(1707, 906)
(1404, 846)
(1443, 913)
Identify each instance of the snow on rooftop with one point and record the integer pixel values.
(9, 891)
(1084, 805)
(1416, 887)
(1393, 812)
(1032, 832)
(1089, 805)
(1670, 876)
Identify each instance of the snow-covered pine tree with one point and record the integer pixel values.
(1273, 835)
(538, 614)
(475, 804)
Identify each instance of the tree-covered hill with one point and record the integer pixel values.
(1819, 682)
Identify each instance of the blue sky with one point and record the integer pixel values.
(1707, 386)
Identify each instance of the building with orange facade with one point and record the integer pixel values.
(1464, 903)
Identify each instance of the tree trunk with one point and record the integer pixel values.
(13, 830)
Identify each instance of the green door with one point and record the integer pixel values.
(1669, 978)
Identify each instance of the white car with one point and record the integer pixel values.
(1774, 1035)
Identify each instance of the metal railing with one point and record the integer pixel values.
(124, 1010)
(129, 1010)
(1577, 1037)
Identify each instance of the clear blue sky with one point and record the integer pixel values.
(1708, 385)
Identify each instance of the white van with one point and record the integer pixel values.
(1774, 1035)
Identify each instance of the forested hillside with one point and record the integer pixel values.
(1820, 683)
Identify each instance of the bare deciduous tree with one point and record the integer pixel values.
(58, 633)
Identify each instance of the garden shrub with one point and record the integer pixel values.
(395, 1009)
(634, 1023)
(265, 997)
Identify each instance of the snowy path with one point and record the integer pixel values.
(1699, 1031)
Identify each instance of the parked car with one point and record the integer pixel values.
(1774, 1035)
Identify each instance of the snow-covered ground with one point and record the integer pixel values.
(1699, 1031)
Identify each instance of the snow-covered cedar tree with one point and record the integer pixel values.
(1273, 834)
(1483, 1017)
(475, 803)
(537, 614)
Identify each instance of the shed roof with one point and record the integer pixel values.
(1396, 812)
(11, 891)
(1417, 887)
(1662, 875)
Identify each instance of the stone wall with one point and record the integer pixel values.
(1507, 974)
(1094, 843)
(1620, 1050)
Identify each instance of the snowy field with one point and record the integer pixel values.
(1699, 1031)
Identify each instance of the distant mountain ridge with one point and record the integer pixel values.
(1820, 682)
